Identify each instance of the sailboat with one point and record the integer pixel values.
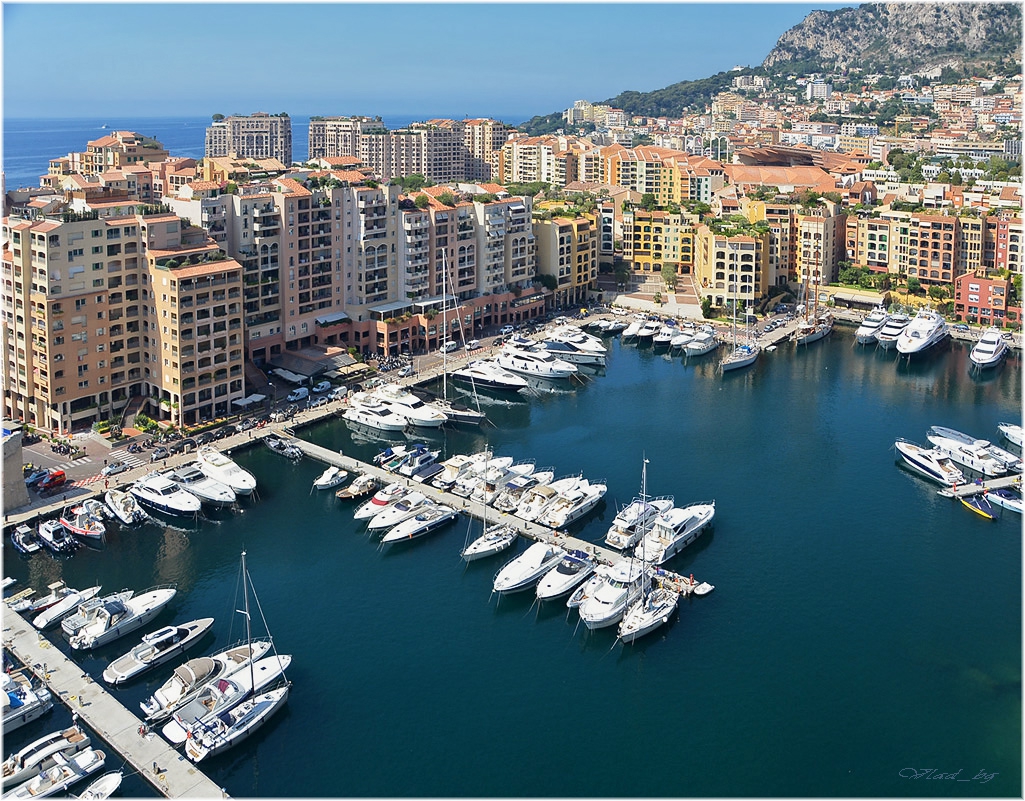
(655, 604)
(742, 355)
(815, 325)
(229, 710)
(491, 541)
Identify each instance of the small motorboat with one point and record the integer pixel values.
(494, 540)
(285, 447)
(209, 490)
(430, 517)
(24, 539)
(64, 606)
(57, 591)
(55, 537)
(980, 505)
(117, 619)
(124, 506)
(1012, 433)
(382, 499)
(103, 787)
(575, 568)
(1007, 498)
(88, 609)
(523, 571)
(330, 478)
(23, 701)
(586, 590)
(61, 776)
(78, 521)
(362, 485)
(156, 648)
(97, 509)
(39, 755)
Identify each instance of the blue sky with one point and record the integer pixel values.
(446, 59)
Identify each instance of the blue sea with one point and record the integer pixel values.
(863, 632)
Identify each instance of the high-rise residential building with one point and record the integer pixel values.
(257, 136)
(339, 136)
(654, 239)
(731, 266)
(483, 139)
(820, 235)
(567, 250)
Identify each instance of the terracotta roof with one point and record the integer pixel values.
(202, 186)
(208, 268)
(292, 187)
(776, 176)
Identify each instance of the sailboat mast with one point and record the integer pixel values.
(444, 329)
(249, 627)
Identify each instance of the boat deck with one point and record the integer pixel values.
(682, 584)
(170, 773)
(975, 487)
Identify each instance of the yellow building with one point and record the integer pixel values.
(567, 250)
(652, 239)
(730, 264)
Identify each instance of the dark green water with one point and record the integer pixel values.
(861, 626)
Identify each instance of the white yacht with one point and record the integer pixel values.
(367, 411)
(1006, 497)
(578, 337)
(428, 517)
(812, 329)
(704, 341)
(933, 463)
(574, 568)
(40, 754)
(491, 467)
(533, 363)
(664, 336)
(510, 493)
(890, 331)
(990, 350)
(330, 478)
(455, 467)
(23, 702)
(117, 619)
(59, 777)
(156, 648)
(619, 588)
(238, 723)
(648, 330)
(742, 356)
(523, 571)
(88, 610)
(634, 327)
(927, 329)
(495, 479)
(64, 606)
(494, 540)
(209, 490)
(158, 492)
(487, 374)
(675, 530)
(573, 353)
(408, 505)
(1012, 433)
(652, 609)
(416, 411)
(124, 506)
(536, 499)
(381, 500)
(681, 339)
(628, 524)
(220, 467)
(573, 504)
(871, 325)
(978, 454)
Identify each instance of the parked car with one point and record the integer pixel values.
(505, 330)
(224, 431)
(961, 327)
(322, 386)
(189, 444)
(33, 478)
(56, 479)
(298, 394)
(244, 425)
(406, 371)
(114, 468)
(159, 453)
(321, 401)
(204, 438)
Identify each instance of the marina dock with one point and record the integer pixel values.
(968, 489)
(169, 772)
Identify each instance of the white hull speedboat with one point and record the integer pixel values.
(812, 330)
(23, 702)
(933, 463)
(631, 330)
(871, 325)
(39, 755)
(383, 498)
(124, 506)
(510, 495)
(983, 448)
(573, 504)
(64, 606)
(674, 531)
(573, 569)
(78, 521)
(742, 356)
(362, 485)
(648, 330)
(1012, 433)
(23, 602)
(495, 479)
(537, 499)
(627, 526)
(534, 364)
(455, 467)
(405, 404)
(619, 588)
(116, 620)
(491, 466)
(586, 590)
(221, 468)
(104, 787)
(330, 478)
(573, 354)
(523, 571)
(890, 331)
(1006, 497)
(926, 330)
(158, 492)
(416, 461)
(209, 490)
(664, 337)
(59, 777)
(494, 540)
(487, 374)
(429, 518)
(90, 608)
(236, 725)
(189, 678)
(155, 649)
(371, 413)
(409, 504)
(704, 341)
(990, 350)
(24, 539)
(222, 695)
(652, 610)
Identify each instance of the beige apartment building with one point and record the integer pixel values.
(330, 137)
(567, 250)
(257, 136)
(731, 266)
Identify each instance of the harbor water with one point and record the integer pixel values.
(863, 629)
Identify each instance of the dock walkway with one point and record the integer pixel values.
(170, 773)
(982, 485)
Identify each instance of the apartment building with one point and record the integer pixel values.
(567, 250)
(257, 136)
(781, 220)
(731, 266)
(339, 136)
(985, 300)
(483, 140)
(653, 239)
(868, 243)
(820, 243)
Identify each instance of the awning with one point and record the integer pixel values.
(288, 375)
(331, 319)
(861, 298)
(248, 401)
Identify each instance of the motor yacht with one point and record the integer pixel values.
(871, 325)
(587, 588)
(619, 588)
(511, 493)
(673, 531)
(573, 569)
(663, 338)
(63, 607)
(158, 492)
(533, 363)
(681, 339)
(1006, 497)
(536, 499)
(361, 486)
(89, 608)
(61, 775)
(491, 467)
(39, 755)
(573, 353)
(116, 619)
(496, 479)
(428, 518)
(415, 410)
(220, 467)
(979, 454)
(934, 464)
(330, 478)
(409, 504)
(367, 411)
(24, 539)
(124, 506)
(990, 350)
(1011, 432)
(628, 524)
(455, 467)
(890, 331)
(210, 491)
(382, 499)
(633, 328)
(648, 330)
(488, 374)
(573, 504)
(156, 648)
(416, 460)
(926, 330)
(523, 571)
(704, 341)
(23, 701)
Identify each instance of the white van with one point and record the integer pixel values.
(298, 394)
(449, 346)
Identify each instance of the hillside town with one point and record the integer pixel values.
(134, 277)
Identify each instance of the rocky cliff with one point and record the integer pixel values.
(887, 37)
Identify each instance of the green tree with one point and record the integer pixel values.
(914, 285)
(648, 201)
(447, 198)
(706, 307)
(937, 292)
(669, 275)
(218, 117)
(422, 201)
(547, 281)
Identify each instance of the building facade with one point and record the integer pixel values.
(257, 136)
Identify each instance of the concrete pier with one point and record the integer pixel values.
(170, 773)
(974, 488)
